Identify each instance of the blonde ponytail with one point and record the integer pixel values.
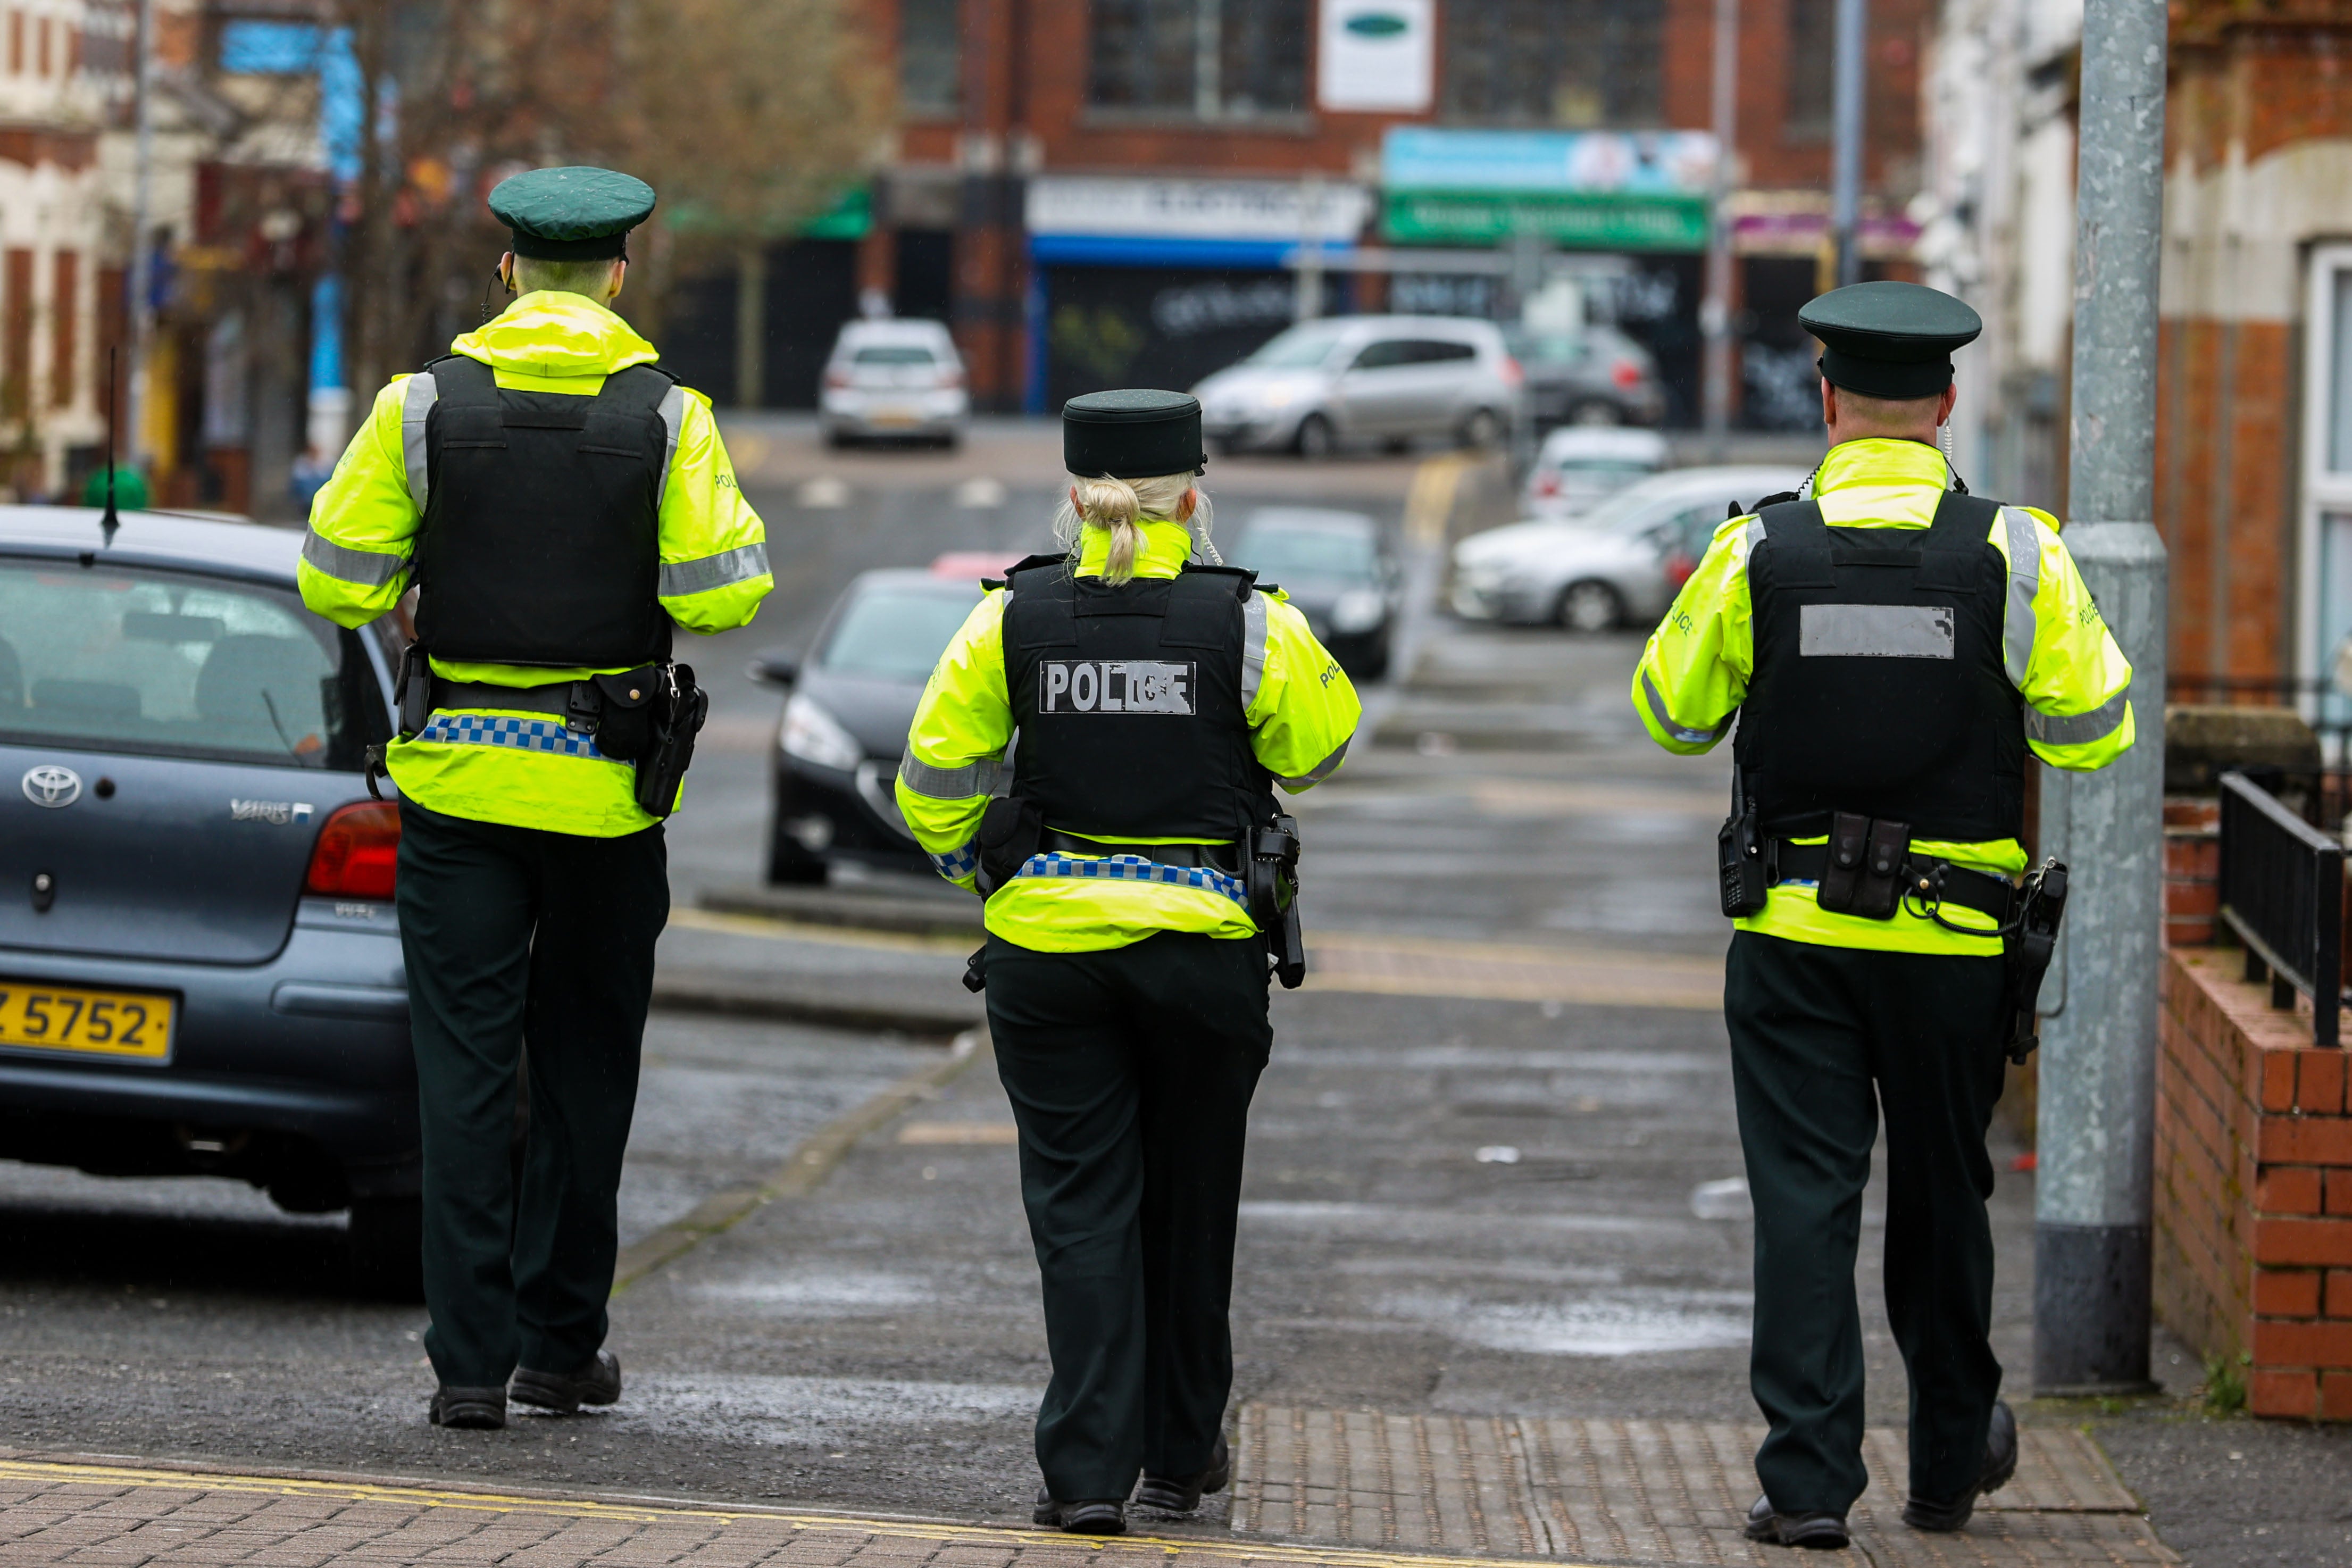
(1122, 507)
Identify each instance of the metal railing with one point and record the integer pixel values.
(2283, 893)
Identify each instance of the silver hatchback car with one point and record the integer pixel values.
(1350, 380)
(200, 968)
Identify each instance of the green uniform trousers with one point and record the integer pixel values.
(514, 934)
(1822, 1038)
(1131, 1073)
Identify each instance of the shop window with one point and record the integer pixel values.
(1574, 63)
(1812, 69)
(1212, 59)
(930, 56)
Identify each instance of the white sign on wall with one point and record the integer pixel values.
(1375, 56)
(1332, 211)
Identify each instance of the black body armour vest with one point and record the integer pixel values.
(1879, 685)
(1130, 704)
(541, 540)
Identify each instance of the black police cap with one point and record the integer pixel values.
(1135, 433)
(578, 214)
(1889, 339)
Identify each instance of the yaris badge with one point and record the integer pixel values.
(51, 785)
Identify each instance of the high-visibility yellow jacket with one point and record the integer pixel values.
(363, 527)
(1301, 716)
(2075, 680)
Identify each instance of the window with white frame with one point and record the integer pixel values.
(2325, 503)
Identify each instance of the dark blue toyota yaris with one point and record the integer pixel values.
(199, 971)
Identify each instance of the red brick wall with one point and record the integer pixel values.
(2254, 1187)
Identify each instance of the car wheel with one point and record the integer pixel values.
(386, 1243)
(1483, 430)
(1590, 607)
(837, 439)
(1374, 665)
(1315, 438)
(791, 863)
(1595, 411)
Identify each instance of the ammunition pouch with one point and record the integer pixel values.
(1010, 830)
(1864, 873)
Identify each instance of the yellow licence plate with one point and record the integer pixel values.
(135, 1024)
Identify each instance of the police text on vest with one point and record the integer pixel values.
(1116, 686)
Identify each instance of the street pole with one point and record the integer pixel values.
(1714, 315)
(1845, 162)
(2094, 1183)
(141, 266)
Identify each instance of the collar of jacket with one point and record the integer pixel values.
(547, 334)
(1881, 482)
(1166, 547)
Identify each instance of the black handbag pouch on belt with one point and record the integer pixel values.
(1865, 874)
(1010, 829)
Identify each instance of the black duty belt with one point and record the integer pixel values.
(554, 698)
(1225, 857)
(1946, 882)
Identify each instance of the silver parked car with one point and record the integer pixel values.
(1346, 380)
(894, 380)
(1618, 565)
(1581, 466)
(200, 968)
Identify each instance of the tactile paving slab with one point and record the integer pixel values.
(1638, 1491)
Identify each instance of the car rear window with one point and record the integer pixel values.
(179, 664)
(893, 353)
(1275, 553)
(894, 634)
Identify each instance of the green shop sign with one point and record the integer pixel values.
(1591, 220)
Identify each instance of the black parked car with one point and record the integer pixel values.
(200, 970)
(1336, 567)
(845, 725)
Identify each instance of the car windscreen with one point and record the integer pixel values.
(894, 634)
(892, 354)
(1275, 552)
(179, 664)
(1627, 469)
(1300, 348)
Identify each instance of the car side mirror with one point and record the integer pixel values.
(777, 666)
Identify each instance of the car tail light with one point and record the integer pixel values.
(1513, 375)
(1626, 375)
(1548, 483)
(836, 379)
(353, 857)
(950, 378)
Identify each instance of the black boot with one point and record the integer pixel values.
(1182, 1494)
(1999, 1464)
(1088, 1516)
(1826, 1532)
(598, 1383)
(469, 1409)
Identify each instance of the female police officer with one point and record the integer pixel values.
(1158, 700)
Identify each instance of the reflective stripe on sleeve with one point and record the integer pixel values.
(2024, 581)
(2077, 729)
(1755, 535)
(947, 783)
(417, 400)
(1320, 771)
(368, 568)
(672, 418)
(741, 564)
(1875, 631)
(1678, 732)
(958, 864)
(1252, 647)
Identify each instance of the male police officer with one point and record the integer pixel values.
(1893, 647)
(559, 502)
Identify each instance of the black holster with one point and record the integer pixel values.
(2027, 946)
(1010, 830)
(679, 708)
(1274, 898)
(412, 691)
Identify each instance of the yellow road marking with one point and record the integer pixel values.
(1000, 1536)
(968, 1133)
(1429, 505)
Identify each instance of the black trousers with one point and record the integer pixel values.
(1130, 1074)
(513, 934)
(1822, 1040)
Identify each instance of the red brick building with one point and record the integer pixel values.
(1235, 112)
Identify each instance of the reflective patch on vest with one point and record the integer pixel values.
(1135, 869)
(1876, 631)
(1117, 686)
(518, 734)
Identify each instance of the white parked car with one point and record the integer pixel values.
(1582, 465)
(1619, 563)
(893, 380)
(1345, 380)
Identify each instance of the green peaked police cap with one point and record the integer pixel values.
(1889, 339)
(576, 214)
(1136, 433)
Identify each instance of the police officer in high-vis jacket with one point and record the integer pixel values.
(1138, 887)
(1892, 648)
(560, 504)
